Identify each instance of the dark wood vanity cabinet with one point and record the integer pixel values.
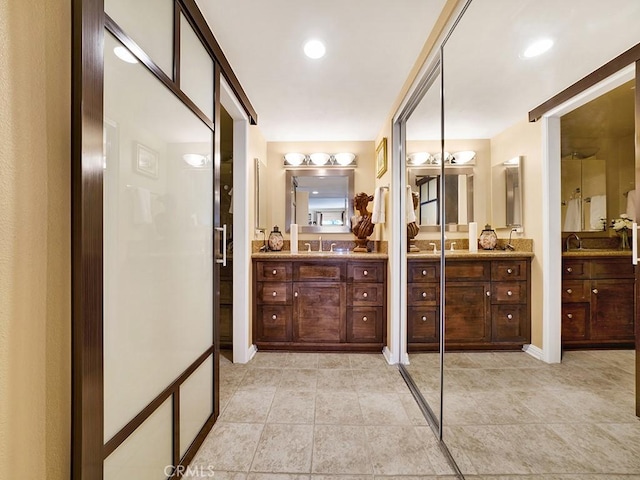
(486, 304)
(597, 302)
(325, 304)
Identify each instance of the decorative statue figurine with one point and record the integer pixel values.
(412, 227)
(361, 225)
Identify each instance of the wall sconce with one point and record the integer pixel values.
(425, 158)
(320, 159)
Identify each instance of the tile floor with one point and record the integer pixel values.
(320, 416)
(510, 414)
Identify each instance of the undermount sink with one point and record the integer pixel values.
(585, 249)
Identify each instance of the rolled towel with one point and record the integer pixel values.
(631, 205)
(379, 214)
(572, 216)
(410, 213)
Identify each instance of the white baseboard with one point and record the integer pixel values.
(535, 352)
(388, 356)
(251, 352)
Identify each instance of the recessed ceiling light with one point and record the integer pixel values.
(538, 48)
(315, 192)
(314, 49)
(124, 54)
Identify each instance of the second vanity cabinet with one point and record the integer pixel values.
(486, 301)
(328, 303)
(597, 302)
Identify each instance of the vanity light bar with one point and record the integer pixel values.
(426, 158)
(320, 159)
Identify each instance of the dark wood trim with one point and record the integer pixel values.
(147, 411)
(194, 15)
(177, 11)
(216, 215)
(176, 426)
(195, 445)
(135, 49)
(621, 61)
(86, 240)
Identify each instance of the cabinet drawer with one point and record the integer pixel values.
(466, 271)
(366, 294)
(366, 272)
(274, 323)
(612, 268)
(575, 291)
(422, 294)
(575, 269)
(319, 272)
(273, 271)
(510, 323)
(423, 272)
(509, 270)
(274, 293)
(509, 292)
(575, 321)
(422, 325)
(364, 324)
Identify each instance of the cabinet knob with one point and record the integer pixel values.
(424, 273)
(274, 271)
(273, 317)
(364, 319)
(424, 294)
(295, 294)
(509, 316)
(488, 294)
(509, 293)
(365, 273)
(569, 315)
(424, 319)
(569, 291)
(595, 290)
(365, 294)
(569, 269)
(509, 271)
(274, 294)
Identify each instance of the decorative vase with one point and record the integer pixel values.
(488, 238)
(276, 241)
(624, 233)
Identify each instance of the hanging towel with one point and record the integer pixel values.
(631, 205)
(231, 201)
(598, 212)
(572, 217)
(141, 206)
(378, 215)
(410, 213)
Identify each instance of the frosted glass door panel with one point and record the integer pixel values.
(196, 403)
(146, 454)
(150, 24)
(196, 69)
(158, 210)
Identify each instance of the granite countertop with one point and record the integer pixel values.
(479, 254)
(287, 255)
(603, 252)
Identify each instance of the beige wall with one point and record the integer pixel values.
(525, 139)
(364, 177)
(35, 40)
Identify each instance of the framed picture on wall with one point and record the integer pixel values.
(381, 158)
(146, 161)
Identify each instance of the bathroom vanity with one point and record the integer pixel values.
(320, 302)
(487, 301)
(597, 299)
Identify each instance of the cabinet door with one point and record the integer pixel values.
(575, 322)
(319, 312)
(612, 312)
(467, 314)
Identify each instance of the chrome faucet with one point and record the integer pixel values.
(331, 248)
(435, 250)
(568, 241)
(320, 243)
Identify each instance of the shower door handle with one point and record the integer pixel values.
(634, 242)
(223, 245)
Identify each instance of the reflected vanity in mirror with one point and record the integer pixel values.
(506, 193)
(320, 200)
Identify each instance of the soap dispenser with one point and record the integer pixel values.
(276, 241)
(488, 238)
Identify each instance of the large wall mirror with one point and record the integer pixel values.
(319, 200)
(506, 193)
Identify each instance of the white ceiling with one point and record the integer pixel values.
(372, 44)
